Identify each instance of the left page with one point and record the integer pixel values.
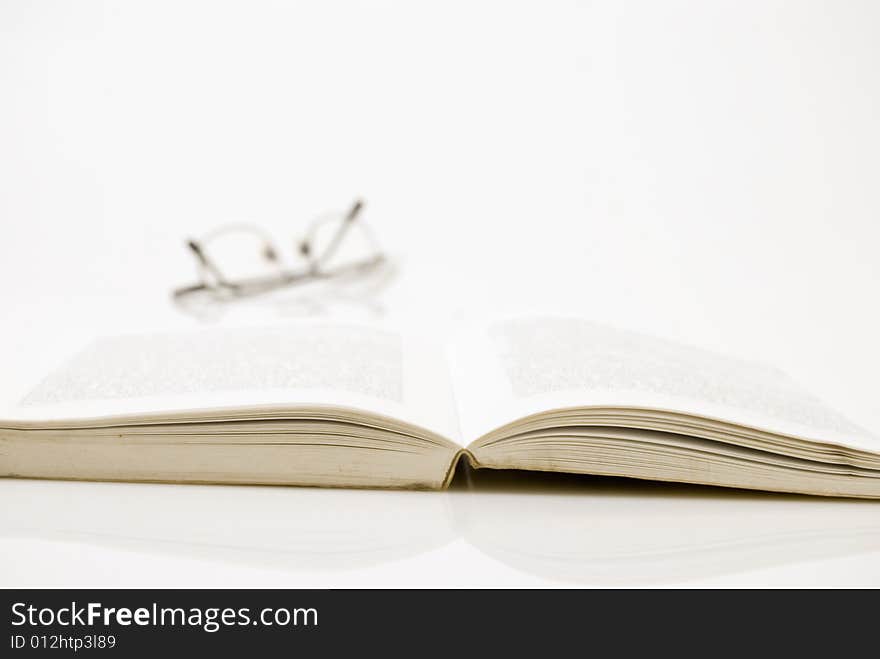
(398, 373)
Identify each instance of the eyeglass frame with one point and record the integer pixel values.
(316, 269)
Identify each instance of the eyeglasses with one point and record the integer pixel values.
(321, 248)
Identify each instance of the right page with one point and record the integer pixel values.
(510, 368)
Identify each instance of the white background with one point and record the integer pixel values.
(706, 171)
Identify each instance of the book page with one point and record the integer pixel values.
(511, 368)
(374, 368)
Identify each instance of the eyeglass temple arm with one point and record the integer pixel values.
(206, 263)
(350, 217)
(355, 210)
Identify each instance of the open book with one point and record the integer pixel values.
(345, 405)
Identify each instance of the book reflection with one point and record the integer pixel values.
(622, 532)
(273, 527)
(566, 528)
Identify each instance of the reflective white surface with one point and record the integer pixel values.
(491, 529)
(702, 171)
